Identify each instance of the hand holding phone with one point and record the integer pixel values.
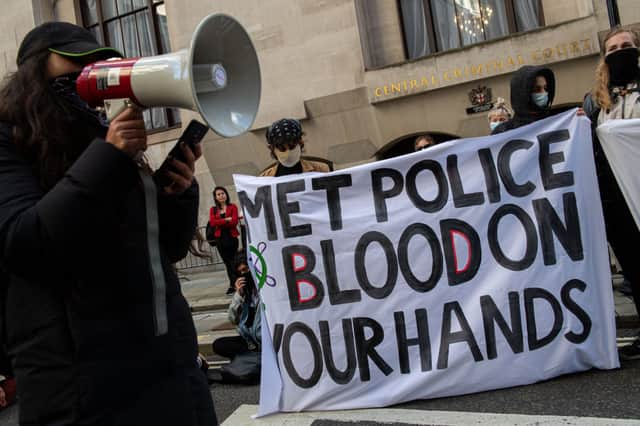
(191, 137)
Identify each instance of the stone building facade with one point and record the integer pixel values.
(365, 76)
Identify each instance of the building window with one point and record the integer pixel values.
(432, 26)
(135, 28)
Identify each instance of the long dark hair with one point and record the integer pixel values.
(221, 188)
(39, 119)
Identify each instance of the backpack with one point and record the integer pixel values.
(210, 231)
(210, 235)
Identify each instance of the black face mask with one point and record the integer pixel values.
(623, 66)
(65, 87)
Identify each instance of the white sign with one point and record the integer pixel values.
(620, 140)
(474, 265)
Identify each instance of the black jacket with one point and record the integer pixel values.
(525, 111)
(79, 313)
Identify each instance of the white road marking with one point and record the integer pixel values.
(624, 341)
(243, 416)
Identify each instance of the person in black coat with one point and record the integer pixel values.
(94, 338)
(532, 91)
(616, 96)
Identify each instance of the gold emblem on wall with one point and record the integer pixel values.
(480, 99)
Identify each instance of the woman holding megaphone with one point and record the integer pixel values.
(94, 339)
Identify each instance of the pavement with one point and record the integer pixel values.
(205, 291)
(594, 397)
(243, 416)
(626, 315)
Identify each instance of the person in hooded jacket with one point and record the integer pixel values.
(94, 340)
(532, 91)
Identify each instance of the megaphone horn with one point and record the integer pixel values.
(218, 76)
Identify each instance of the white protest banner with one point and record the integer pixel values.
(620, 141)
(474, 265)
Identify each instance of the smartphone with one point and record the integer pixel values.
(192, 136)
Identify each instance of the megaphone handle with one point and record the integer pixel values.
(113, 107)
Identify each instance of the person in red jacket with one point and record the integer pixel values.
(223, 217)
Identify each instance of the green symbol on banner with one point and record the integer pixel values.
(261, 273)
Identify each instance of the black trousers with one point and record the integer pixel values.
(623, 234)
(182, 398)
(230, 347)
(167, 405)
(624, 237)
(228, 248)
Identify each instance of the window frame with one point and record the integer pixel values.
(431, 32)
(172, 115)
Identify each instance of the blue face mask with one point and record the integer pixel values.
(540, 99)
(494, 124)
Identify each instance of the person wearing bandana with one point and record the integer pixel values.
(92, 339)
(284, 138)
(616, 95)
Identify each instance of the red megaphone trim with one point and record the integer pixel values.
(107, 80)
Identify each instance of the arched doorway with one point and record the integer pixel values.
(404, 145)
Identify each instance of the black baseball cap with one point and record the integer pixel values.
(64, 39)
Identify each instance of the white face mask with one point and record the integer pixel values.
(290, 157)
(494, 124)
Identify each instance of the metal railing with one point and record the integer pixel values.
(193, 261)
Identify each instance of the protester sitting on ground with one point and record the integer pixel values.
(97, 333)
(223, 217)
(532, 91)
(499, 114)
(284, 139)
(423, 142)
(616, 95)
(244, 312)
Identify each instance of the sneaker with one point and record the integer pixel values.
(630, 352)
(214, 376)
(203, 365)
(230, 291)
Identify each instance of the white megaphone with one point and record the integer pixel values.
(218, 76)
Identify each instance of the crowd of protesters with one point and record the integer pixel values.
(76, 332)
(615, 95)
